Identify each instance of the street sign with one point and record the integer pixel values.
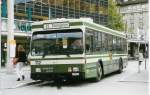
(135, 37)
(19, 26)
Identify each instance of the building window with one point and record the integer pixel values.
(141, 24)
(77, 4)
(132, 27)
(52, 2)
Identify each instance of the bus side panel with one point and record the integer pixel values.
(90, 70)
(91, 67)
(115, 62)
(106, 67)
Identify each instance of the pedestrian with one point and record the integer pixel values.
(140, 58)
(20, 60)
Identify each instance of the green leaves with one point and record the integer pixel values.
(114, 17)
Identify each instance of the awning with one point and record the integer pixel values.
(138, 41)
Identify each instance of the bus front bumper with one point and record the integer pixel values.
(52, 72)
(55, 76)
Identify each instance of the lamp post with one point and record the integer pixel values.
(145, 53)
(139, 64)
(49, 13)
(11, 44)
(0, 35)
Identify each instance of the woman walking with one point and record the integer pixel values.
(20, 60)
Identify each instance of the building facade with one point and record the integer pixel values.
(26, 11)
(49, 9)
(135, 18)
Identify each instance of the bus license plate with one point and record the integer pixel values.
(48, 69)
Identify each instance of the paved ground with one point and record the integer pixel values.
(130, 82)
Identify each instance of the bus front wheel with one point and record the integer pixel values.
(99, 73)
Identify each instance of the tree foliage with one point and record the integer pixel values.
(114, 17)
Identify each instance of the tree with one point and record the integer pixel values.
(114, 17)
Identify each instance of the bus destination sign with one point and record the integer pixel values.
(56, 25)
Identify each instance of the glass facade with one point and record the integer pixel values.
(49, 9)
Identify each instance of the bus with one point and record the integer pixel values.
(75, 49)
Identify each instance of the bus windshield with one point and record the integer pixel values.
(57, 42)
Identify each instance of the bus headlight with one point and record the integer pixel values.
(69, 69)
(38, 70)
(75, 69)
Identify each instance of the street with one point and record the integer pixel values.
(129, 82)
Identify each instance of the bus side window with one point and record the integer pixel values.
(89, 43)
(87, 47)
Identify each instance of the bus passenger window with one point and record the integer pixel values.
(89, 43)
(87, 47)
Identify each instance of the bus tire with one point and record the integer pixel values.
(99, 72)
(120, 66)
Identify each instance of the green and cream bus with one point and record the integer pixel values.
(75, 49)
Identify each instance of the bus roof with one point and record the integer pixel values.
(87, 22)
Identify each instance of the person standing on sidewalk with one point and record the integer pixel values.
(140, 59)
(21, 58)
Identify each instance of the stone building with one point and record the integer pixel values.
(135, 18)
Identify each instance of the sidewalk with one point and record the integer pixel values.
(4, 69)
(8, 80)
(136, 76)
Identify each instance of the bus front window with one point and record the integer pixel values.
(56, 42)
